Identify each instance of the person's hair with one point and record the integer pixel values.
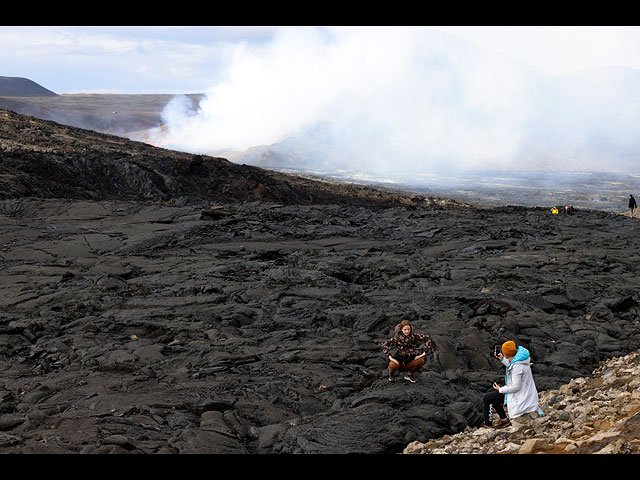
(403, 324)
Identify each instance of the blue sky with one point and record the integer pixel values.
(174, 59)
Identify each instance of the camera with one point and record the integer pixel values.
(497, 350)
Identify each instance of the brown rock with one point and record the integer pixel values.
(533, 445)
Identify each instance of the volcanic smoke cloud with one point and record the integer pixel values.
(391, 99)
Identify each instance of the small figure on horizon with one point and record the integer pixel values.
(406, 358)
(632, 205)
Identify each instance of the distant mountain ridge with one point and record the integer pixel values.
(23, 87)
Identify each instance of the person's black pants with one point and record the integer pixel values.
(493, 400)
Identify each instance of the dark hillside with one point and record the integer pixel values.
(22, 87)
(44, 159)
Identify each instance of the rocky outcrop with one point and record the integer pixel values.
(593, 414)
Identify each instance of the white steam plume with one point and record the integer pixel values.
(380, 99)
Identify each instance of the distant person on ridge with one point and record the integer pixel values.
(406, 358)
(632, 205)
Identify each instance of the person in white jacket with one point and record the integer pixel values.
(521, 395)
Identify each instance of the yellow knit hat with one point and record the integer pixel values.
(509, 349)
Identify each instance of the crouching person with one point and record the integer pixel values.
(520, 393)
(406, 359)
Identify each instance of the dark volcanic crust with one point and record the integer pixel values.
(256, 327)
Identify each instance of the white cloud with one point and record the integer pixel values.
(559, 50)
(382, 98)
(98, 59)
(397, 92)
(401, 92)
